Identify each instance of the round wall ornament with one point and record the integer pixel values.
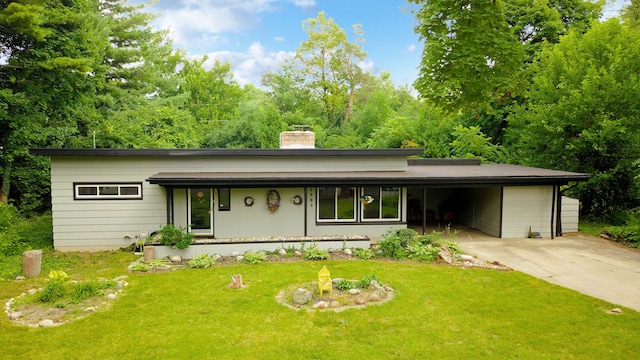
(248, 201)
(297, 200)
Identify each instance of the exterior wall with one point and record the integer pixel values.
(111, 224)
(524, 207)
(480, 209)
(570, 214)
(101, 224)
(256, 220)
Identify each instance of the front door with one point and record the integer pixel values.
(201, 211)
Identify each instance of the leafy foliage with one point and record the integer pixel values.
(365, 282)
(315, 253)
(201, 261)
(254, 257)
(176, 237)
(345, 285)
(628, 235)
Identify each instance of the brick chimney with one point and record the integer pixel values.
(300, 138)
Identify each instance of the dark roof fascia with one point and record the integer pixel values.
(227, 152)
(311, 181)
(443, 162)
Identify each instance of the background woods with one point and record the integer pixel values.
(542, 83)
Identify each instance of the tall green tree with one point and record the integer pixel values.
(471, 56)
(583, 114)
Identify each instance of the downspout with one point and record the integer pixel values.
(501, 212)
(169, 194)
(553, 209)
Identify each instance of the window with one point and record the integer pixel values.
(385, 204)
(336, 203)
(108, 191)
(224, 199)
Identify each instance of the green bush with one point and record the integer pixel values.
(425, 253)
(175, 237)
(18, 234)
(315, 254)
(141, 267)
(628, 235)
(85, 290)
(394, 243)
(53, 290)
(254, 257)
(201, 261)
(364, 254)
(345, 285)
(366, 281)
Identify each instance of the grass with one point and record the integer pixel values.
(437, 312)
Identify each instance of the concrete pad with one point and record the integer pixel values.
(590, 265)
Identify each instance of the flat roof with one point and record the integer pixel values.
(227, 152)
(423, 175)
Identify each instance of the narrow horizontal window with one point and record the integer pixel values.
(108, 191)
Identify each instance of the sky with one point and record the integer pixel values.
(256, 36)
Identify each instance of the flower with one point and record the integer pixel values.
(366, 199)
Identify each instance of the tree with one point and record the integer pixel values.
(471, 55)
(583, 114)
(630, 14)
(328, 65)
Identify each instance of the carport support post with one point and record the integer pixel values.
(424, 211)
(553, 211)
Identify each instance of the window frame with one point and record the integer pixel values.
(335, 203)
(98, 185)
(227, 194)
(378, 197)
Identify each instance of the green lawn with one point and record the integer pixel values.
(437, 312)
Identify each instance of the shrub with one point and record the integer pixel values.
(453, 246)
(85, 290)
(394, 243)
(176, 237)
(345, 285)
(364, 254)
(366, 281)
(315, 254)
(254, 258)
(201, 261)
(628, 235)
(425, 253)
(141, 267)
(52, 291)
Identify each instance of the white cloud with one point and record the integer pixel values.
(278, 39)
(411, 47)
(249, 66)
(368, 66)
(305, 3)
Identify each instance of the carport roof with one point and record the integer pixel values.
(445, 174)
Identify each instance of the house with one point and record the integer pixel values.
(250, 198)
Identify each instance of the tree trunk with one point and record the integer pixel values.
(6, 184)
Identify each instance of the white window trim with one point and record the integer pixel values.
(335, 209)
(97, 186)
(379, 199)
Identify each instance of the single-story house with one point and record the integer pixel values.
(105, 198)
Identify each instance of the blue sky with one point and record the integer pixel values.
(255, 36)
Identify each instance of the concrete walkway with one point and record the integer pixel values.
(590, 265)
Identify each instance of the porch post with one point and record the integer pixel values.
(553, 212)
(424, 211)
(305, 211)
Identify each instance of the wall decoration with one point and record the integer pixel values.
(248, 201)
(296, 200)
(273, 201)
(366, 199)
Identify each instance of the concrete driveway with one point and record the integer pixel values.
(590, 265)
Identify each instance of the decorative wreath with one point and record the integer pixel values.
(273, 201)
(248, 201)
(297, 200)
(366, 199)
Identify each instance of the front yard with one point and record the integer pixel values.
(437, 312)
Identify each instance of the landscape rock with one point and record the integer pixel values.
(465, 257)
(32, 291)
(445, 256)
(335, 304)
(120, 278)
(90, 309)
(282, 252)
(373, 297)
(46, 323)
(360, 300)
(111, 296)
(354, 291)
(297, 253)
(239, 258)
(348, 252)
(301, 296)
(320, 305)
(15, 315)
(176, 258)
(216, 256)
(20, 278)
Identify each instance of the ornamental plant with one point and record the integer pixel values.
(175, 237)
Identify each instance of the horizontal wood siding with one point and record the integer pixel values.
(570, 214)
(524, 207)
(102, 223)
(487, 210)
